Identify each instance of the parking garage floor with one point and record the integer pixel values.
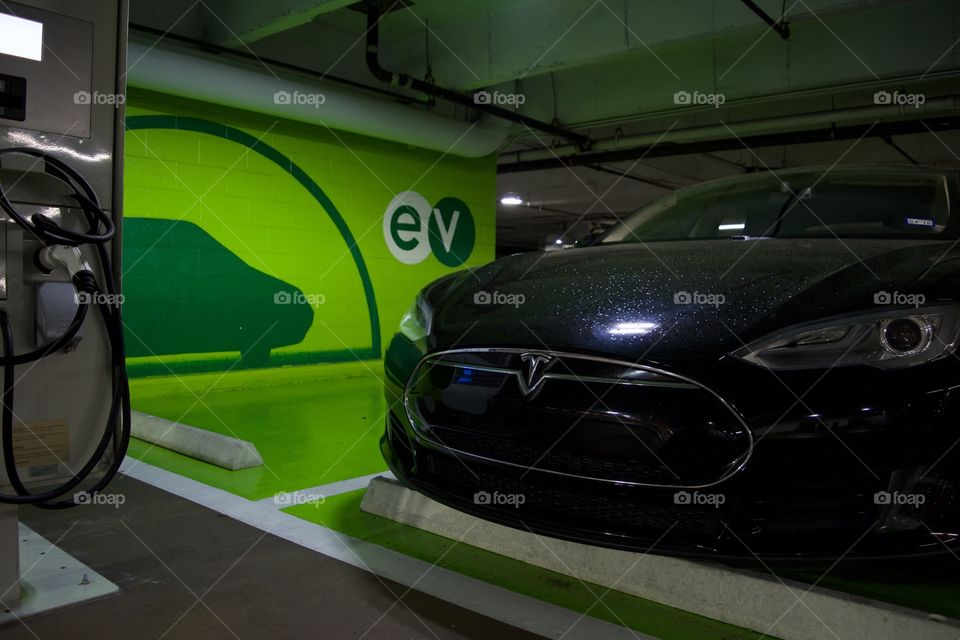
(317, 428)
(188, 572)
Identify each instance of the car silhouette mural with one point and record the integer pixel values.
(213, 301)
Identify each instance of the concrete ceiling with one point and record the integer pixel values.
(612, 69)
(568, 202)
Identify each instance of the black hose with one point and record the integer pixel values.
(120, 404)
(9, 373)
(48, 231)
(59, 343)
(117, 428)
(120, 431)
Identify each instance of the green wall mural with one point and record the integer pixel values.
(250, 242)
(220, 303)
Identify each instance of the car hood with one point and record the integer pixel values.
(662, 301)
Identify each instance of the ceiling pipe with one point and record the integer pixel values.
(271, 63)
(629, 176)
(781, 27)
(406, 81)
(730, 142)
(775, 125)
(199, 76)
(899, 149)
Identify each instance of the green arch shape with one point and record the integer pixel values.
(198, 125)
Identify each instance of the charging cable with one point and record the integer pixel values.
(61, 249)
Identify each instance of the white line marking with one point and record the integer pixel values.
(302, 496)
(512, 608)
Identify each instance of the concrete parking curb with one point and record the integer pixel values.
(781, 608)
(223, 451)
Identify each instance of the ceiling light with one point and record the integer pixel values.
(511, 200)
(632, 328)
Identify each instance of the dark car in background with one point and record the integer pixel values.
(757, 366)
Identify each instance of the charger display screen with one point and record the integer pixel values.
(21, 38)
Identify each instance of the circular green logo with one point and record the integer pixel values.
(452, 232)
(412, 229)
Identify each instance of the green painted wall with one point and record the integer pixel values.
(252, 242)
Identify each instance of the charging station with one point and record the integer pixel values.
(65, 401)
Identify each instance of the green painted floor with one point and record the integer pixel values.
(342, 513)
(319, 424)
(931, 585)
(313, 424)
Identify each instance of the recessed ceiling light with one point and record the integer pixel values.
(632, 328)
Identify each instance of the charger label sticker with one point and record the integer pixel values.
(41, 442)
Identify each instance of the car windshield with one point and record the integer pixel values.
(803, 204)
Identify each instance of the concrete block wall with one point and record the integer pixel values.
(227, 211)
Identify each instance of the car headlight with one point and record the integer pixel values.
(417, 321)
(887, 339)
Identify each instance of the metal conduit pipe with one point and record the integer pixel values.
(668, 149)
(404, 80)
(187, 73)
(933, 107)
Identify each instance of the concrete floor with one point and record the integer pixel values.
(188, 572)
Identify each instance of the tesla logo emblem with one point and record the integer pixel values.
(532, 377)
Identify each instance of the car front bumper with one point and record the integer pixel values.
(844, 484)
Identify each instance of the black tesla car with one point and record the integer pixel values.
(763, 365)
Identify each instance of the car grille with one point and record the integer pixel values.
(594, 511)
(576, 415)
(633, 470)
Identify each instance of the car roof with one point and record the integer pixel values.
(831, 169)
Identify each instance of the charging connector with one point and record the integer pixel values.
(70, 258)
